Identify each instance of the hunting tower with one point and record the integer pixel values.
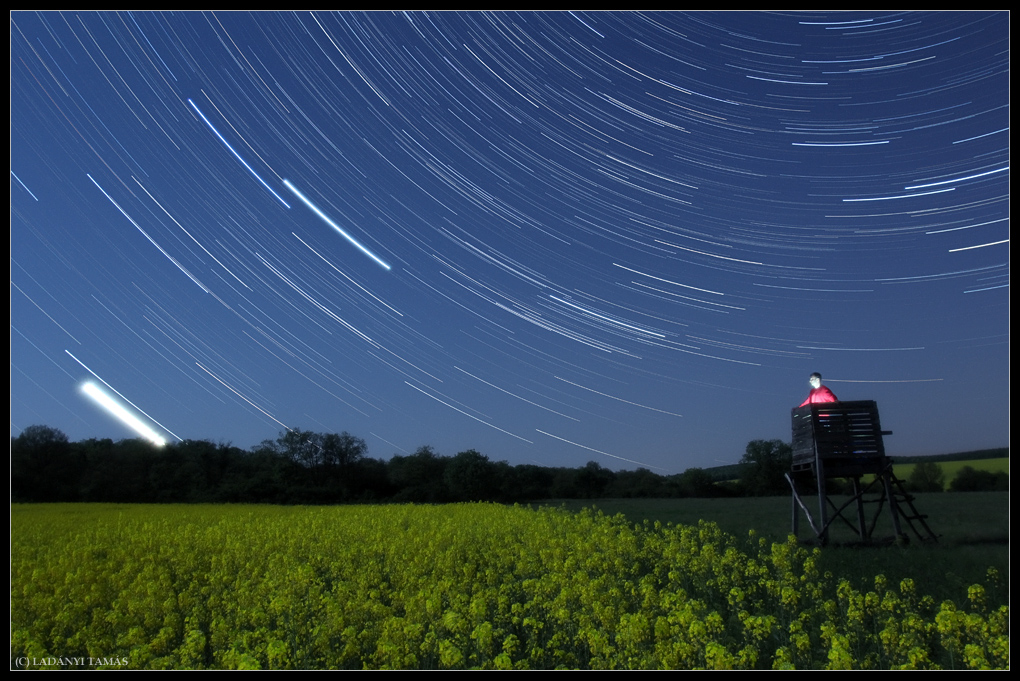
(844, 440)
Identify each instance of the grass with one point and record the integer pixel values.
(951, 468)
(973, 529)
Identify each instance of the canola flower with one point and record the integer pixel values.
(460, 586)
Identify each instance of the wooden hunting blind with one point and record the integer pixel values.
(844, 440)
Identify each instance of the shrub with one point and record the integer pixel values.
(968, 479)
(927, 476)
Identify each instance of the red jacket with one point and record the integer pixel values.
(819, 394)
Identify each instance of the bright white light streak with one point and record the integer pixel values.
(224, 384)
(788, 82)
(189, 233)
(352, 64)
(957, 179)
(151, 240)
(524, 97)
(901, 196)
(696, 300)
(987, 288)
(381, 301)
(838, 144)
(325, 218)
(710, 255)
(814, 347)
(836, 23)
(675, 283)
(619, 399)
(597, 451)
(890, 66)
(316, 303)
(23, 185)
(902, 380)
(517, 396)
(45, 313)
(956, 229)
(121, 414)
(140, 410)
(585, 24)
(977, 137)
(486, 423)
(237, 155)
(941, 275)
(967, 248)
(607, 319)
(817, 290)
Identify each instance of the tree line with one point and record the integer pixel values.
(306, 467)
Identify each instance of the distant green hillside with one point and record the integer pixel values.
(733, 471)
(951, 468)
(999, 453)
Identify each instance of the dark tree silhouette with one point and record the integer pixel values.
(927, 476)
(44, 465)
(765, 464)
(470, 476)
(419, 477)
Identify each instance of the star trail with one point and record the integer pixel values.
(552, 237)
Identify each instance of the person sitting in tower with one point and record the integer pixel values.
(819, 393)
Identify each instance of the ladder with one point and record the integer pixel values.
(890, 490)
(904, 500)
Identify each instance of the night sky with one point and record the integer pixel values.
(551, 237)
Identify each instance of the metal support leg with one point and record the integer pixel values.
(861, 523)
(893, 506)
(822, 512)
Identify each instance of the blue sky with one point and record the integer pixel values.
(551, 237)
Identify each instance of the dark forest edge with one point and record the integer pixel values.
(305, 467)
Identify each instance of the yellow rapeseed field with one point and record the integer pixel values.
(459, 586)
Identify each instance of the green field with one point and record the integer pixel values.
(475, 586)
(973, 531)
(951, 468)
